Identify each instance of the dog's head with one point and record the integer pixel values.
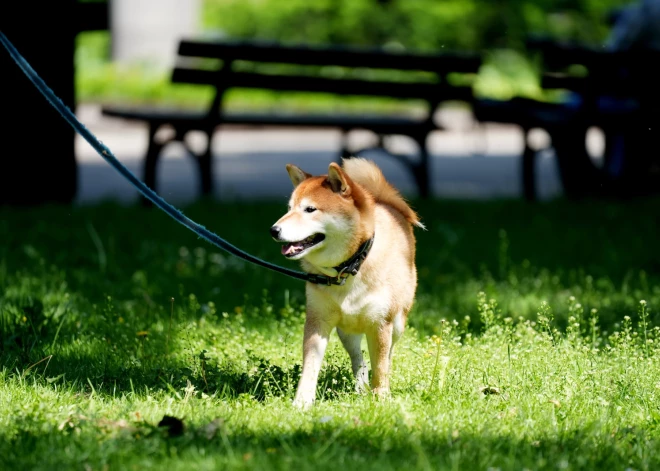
(328, 217)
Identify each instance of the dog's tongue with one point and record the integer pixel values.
(292, 248)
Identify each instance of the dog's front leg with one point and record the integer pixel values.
(315, 342)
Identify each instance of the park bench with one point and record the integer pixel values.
(333, 70)
(604, 89)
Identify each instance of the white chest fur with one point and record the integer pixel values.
(354, 307)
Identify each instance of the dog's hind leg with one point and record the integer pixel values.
(379, 340)
(399, 324)
(352, 344)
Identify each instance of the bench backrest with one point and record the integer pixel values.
(433, 89)
(602, 72)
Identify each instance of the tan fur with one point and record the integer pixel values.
(369, 176)
(352, 203)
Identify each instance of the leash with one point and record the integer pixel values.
(352, 263)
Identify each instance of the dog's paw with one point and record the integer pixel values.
(381, 393)
(362, 381)
(362, 387)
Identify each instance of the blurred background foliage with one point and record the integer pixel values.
(495, 29)
(430, 25)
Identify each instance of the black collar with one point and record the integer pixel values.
(349, 267)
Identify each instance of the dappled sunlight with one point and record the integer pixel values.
(526, 342)
(509, 390)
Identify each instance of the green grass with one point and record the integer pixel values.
(113, 317)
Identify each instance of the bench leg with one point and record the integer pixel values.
(578, 175)
(421, 170)
(151, 161)
(205, 163)
(344, 153)
(528, 174)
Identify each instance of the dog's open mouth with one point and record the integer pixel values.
(291, 249)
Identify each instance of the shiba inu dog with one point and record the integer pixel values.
(353, 229)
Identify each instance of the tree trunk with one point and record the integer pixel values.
(37, 162)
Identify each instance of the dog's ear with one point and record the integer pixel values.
(296, 175)
(339, 181)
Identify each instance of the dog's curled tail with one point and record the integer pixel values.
(366, 174)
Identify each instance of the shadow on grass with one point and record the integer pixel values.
(112, 374)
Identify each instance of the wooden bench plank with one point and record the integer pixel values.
(383, 124)
(592, 86)
(337, 56)
(558, 55)
(302, 83)
(524, 112)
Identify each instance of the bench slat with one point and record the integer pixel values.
(563, 81)
(563, 54)
(605, 85)
(333, 56)
(385, 124)
(298, 83)
(524, 112)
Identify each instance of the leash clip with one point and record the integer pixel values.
(340, 280)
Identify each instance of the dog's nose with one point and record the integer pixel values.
(275, 232)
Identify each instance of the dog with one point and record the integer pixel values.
(355, 231)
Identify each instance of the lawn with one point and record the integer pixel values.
(534, 344)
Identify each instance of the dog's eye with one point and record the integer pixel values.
(310, 209)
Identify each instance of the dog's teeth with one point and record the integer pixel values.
(292, 248)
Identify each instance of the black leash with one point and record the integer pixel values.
(351, 266)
